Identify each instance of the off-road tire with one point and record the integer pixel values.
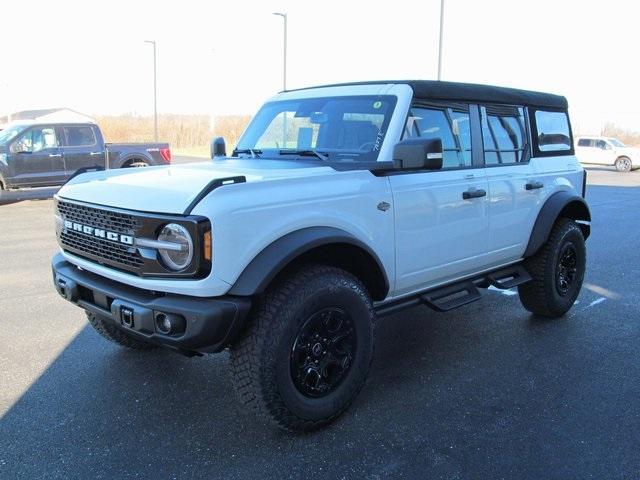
(261, 359)
(136, 163)
(623, 164)
(108, 330)
(541, 295)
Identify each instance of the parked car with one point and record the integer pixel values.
(43, 154)
(339, 205)
(607, 151)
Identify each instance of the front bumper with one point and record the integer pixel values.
(208, 324)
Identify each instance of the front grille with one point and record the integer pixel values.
(103, 249)
(99, 249)
(108, 237)
(105, 219)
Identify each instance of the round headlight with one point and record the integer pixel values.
(178, 252)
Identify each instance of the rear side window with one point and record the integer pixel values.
(449, 124)
(503, 134)
(585, 142)
(79, 136)
(552, 131)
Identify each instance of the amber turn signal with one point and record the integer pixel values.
(207, 245)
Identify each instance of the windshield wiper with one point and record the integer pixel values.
(306, 153)
(251, 151)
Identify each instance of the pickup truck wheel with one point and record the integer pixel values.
(557, 272)
(136, 163)
(623, 164)
(106, 328)
(307, 350)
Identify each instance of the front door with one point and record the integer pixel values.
(441, 217)
(36, 158)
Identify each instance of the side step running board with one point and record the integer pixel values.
(510, 277)
(453, 296)
(458, 294)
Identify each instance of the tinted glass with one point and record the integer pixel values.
(79, 136)
(449, 124)
(552, 131)
(503, 134)
(584, 142)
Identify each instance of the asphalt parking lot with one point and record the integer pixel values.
(485, 391)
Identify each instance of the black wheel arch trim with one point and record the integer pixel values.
(274, 258)
(559, 204)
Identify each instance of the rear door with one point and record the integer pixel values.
(516, 191)
(440, 235)
(36, 158)
(81, 148)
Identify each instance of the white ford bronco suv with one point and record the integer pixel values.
(340, 204)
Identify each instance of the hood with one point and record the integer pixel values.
(172, 189)
(628, 150)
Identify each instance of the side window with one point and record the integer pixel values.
(585, 142)
(79, 136)
(503, 134)
(552, 131)
(37, 139)
(449, 124)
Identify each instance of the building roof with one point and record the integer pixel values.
(471, 92)
(51, 113)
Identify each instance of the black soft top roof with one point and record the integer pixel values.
(471, 92)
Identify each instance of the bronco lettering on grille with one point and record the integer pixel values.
(98, 232)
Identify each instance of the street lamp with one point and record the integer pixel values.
(155, 89)
(440, 43)
(284, 73)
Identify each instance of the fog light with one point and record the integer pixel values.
(169, 323)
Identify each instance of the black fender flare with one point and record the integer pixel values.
(264, 267)
(565, 204)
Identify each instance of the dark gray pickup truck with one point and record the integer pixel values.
(45, 154)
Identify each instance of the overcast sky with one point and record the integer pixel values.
(91, 55)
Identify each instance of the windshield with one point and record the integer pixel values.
(10, 132)
(616, 143)
(338, 128)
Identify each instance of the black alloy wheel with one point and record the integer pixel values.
(323, 352)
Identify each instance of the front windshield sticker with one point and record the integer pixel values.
(377, 105)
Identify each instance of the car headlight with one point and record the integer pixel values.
(177, 249)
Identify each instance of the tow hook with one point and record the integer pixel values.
(126, 316)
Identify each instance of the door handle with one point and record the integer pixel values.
(95, 153)
(53, 155)
(533, 185)
(469, 194)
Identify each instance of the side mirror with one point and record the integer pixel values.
(218, 148)
(419, 153)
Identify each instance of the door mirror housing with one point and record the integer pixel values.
(418, 154)
(218, 148)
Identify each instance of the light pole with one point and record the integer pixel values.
(155, 89)
(284, 72)
(440, 43)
